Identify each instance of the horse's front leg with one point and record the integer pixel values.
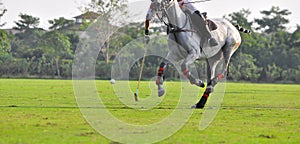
(184, 68)
(160, 78)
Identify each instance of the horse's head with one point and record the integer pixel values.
(170, 12)
(175, 14)
(159, 5)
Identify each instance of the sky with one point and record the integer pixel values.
(52, 9)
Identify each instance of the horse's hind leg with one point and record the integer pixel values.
(211, 79)
(214, 78)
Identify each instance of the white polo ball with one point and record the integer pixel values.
(112, 81)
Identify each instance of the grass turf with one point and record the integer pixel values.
(45, 111)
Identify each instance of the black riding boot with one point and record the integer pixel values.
(202, 28)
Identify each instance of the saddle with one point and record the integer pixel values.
(211, 24)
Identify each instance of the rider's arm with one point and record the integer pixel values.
(147, 26)
(149, 16)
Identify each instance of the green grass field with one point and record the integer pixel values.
(45, 111)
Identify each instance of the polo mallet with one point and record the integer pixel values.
(140, 76)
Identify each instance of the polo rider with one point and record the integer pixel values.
(197, 19)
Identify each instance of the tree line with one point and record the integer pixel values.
(270, 53)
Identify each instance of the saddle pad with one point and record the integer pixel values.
(211, 25)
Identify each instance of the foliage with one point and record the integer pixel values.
(243, 68)
(274, 51)
(274, 20)
(268, 54)
(5, 47)
(74, 40)
(107, 11)
(103, 7)
(27, 22)
(24, 45)
(60, 23)
(55, 46)
(2, 12)
(241, 18)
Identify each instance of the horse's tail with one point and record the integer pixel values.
(241, 29)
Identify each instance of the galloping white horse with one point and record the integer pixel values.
(186, 44)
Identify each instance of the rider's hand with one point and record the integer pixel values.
(147, 37)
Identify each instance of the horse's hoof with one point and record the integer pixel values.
(194, 106)
(199, 83)
(161, 91)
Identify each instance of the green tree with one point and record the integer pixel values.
(56, 46)
(60, 23)
(241, 18)
(24, 45)
(27, 22)
(295, 38)
(279, 54)
(2, 12)
(5, 47)
(243, 64)
(107, 10)
(73, 38)
(274, 20)
(293, 55)
(5, 55)
(122, 37)
(104, 7)
(243, 68)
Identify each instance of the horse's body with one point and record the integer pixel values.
(191, 41)
(187, 45)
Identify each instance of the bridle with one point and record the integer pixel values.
(163, 6)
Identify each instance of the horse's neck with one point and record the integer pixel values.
(176, 15)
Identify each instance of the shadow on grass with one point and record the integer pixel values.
(164, 107)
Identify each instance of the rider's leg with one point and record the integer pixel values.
(203, 29)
